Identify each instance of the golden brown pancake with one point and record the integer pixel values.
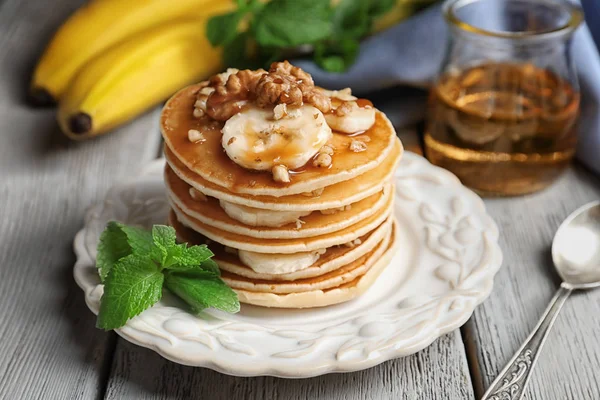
(333, 258)
(210, 213)
(337, 195)
(208, 160)
(285, 246)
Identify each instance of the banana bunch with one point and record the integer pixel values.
(113, 59)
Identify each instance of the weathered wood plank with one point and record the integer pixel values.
(438, 372)
(49, 348)
(569, 364)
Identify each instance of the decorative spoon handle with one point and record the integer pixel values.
(511, 383)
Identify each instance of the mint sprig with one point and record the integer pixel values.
(278, 28)
(135, 265)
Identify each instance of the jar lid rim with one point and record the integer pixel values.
(576, 17)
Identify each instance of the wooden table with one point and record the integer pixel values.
(50, 349)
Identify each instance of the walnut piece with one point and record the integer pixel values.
(232, 91)
(225, 94)
(281, 174)
(196, 136)
(323, 160)
(357, 146)
(327, 149)
(280, 111)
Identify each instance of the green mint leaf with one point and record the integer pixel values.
(222, 29)
(194, 255)
(202, 289)
(290, 23)
(337, 57)
(132, 285)
(165, 248)
(112, 247)
(235, 53)
(117, 241)
(380, 7)
(351, 19)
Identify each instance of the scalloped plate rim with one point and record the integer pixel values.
(223, 366)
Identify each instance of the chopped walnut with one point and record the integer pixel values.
(323, 160)
(353, 243)
(357, 146)
(198, 113)
(294, 112)
(314, 193)
(280, 111)
(196, 136)
(197, 195)
(225, 94)
(299, 223)
(232, 91)
(287, 84)
(327, 149)
(345, 108)
(281, 174)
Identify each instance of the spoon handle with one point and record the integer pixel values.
(511, 383)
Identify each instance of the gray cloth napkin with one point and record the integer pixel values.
(411, 54)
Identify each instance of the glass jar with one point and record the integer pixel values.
(503, 110)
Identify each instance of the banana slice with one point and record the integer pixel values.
(253, 139)
(258, 217)
(350, 118)
(278, 263)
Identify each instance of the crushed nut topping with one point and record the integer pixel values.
(281, 174)
(353, 243)
(357, 146)
(282, 84)
(196, 136)
(280, 111)
(345, 108)
(327, 149)
(323, 160)
(314, 193)
(197, 195)
(299, 223)
(294, 112)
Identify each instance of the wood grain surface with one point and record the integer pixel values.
(569, 366)
(50, 349)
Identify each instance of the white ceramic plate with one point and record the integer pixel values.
(445, 266)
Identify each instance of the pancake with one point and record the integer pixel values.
(286, 246)
(321, 298)
(331, 197)
(337, 277)
(211, 213)
(208, 160)
(333, 258)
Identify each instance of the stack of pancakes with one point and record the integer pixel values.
(336, 232)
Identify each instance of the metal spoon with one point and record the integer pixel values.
(576, 257)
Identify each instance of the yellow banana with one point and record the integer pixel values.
(136, 75)
(99, 25)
